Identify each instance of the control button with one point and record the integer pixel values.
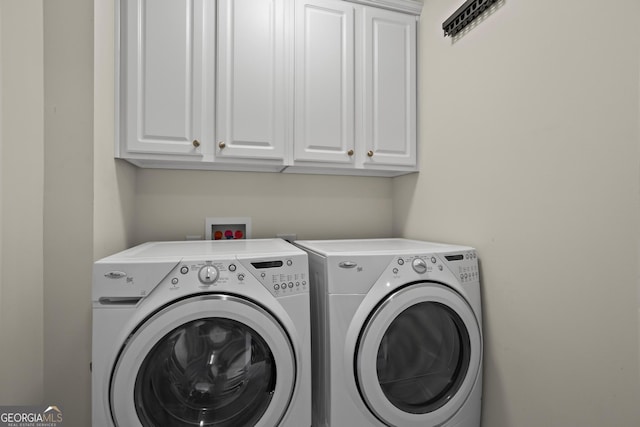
(289, 262)
(276, 286)
(395, 271)
(184, 269)
(400, 261)
(208, 274)
(174, 281)
(440, 267)
(263, 275)
(241, 277)
(283, 286)
(419, 265)
(232, 267)
(304, 283)
(291, 284)
(433, 260)
(297, 284)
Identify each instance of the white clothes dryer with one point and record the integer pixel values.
(202, 333)
(396, 332)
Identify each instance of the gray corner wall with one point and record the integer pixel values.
(529, 152)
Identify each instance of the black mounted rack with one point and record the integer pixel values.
(462, 17)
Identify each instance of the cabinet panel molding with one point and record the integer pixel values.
(160, 76)
(251, 78)
(324, 81)
(389, 87)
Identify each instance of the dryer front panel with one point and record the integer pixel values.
(418, 355)
(215, 360)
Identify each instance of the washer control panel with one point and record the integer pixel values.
(203, 274)
(281, 277)
(286, 276)
(464, 266)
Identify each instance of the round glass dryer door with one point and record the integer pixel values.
(418, 355)
(207, 361)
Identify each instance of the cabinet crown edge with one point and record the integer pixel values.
(413, 7)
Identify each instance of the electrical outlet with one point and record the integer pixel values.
(289, 237)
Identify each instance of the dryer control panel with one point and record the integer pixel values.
(463, 265)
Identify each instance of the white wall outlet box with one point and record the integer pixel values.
(227, 228)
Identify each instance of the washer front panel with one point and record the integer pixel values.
(418, 355)
(215, 359)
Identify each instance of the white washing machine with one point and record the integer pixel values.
(202, 334)
(396, 333)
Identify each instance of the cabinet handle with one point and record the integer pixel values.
(196, 143)
(350, 152)
(221, 144)
(370, 153)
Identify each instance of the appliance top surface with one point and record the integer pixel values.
(376, 246)
(205, 249)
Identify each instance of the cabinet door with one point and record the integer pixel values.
(324, 110)
(251, 76)
(389, 87)
(163, 79)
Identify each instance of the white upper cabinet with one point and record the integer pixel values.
(200, 87)
(307, 86)
(355, 89)
(324, 114)
(251, 96)
(162, 76)
(389, 88)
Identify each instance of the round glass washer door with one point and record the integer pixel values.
(418, 355)
(214, 360)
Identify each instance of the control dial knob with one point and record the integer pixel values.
(419, 265)
(208, 274)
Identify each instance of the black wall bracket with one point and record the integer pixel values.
(466, 13)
